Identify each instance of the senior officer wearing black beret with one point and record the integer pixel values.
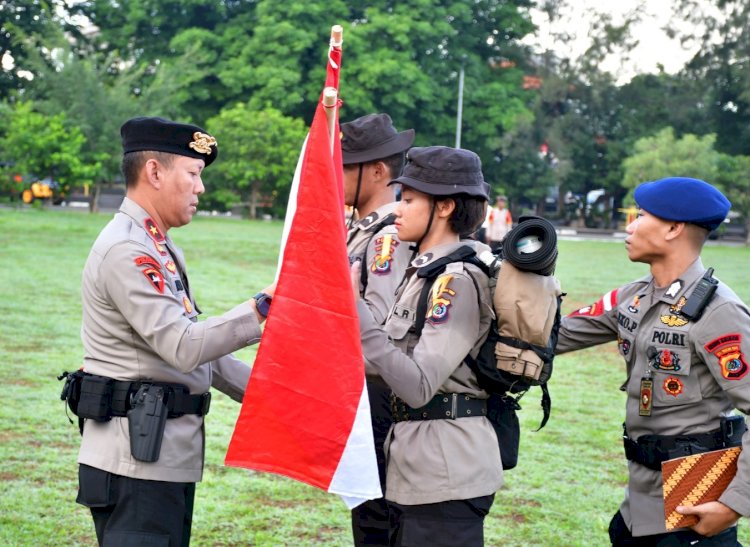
(145, 350)
(685, 350)
(373, 155)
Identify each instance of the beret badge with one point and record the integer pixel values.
(202, 142)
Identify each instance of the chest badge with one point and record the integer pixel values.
(171, 266)
(673, 386)
(664, 360)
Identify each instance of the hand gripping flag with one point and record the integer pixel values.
(306, 414)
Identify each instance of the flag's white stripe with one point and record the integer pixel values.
(356, 478)
(291, 207)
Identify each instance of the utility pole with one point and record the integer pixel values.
(460, 107)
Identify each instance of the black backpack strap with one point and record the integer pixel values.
(546, 354)
(388, 220)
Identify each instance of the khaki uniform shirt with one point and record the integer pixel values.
(430, 461)
(386, 255)
(139, 323)
(499, 224)
(699, 371)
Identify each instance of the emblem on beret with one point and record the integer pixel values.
(202, 143)
(728, 350)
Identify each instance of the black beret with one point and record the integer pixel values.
(444, 171)
(161, 135)
(371, 138)
(684, 199)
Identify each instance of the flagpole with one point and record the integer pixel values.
(330, 94)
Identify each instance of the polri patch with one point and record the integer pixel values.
(441, 300)
(673, 386)
(384, 247)
(156, 279)
(728, 350)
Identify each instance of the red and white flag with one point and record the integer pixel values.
(306, 414)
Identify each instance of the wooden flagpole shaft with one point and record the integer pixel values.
(330, 100)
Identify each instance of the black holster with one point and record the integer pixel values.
(146, 420)
(652, 450)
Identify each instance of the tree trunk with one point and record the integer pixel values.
(747, 230)
(94, 197)
(253, 206)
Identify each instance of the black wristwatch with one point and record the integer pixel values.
(263, 303)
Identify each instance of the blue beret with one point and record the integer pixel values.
(683, 199)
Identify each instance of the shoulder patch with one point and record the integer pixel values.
(728, 350)
(145, 260)
(440, 301)
(384, 247)
(606, 303)
(155, 278)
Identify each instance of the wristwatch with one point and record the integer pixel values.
(263, 303)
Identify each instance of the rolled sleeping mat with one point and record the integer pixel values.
(531, 245)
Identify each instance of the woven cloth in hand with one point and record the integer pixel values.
(693, 480)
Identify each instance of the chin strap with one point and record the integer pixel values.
(356, 198)
(415, 246)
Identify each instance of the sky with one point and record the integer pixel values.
(654, 47)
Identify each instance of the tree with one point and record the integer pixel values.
(46, 146)
(734, 178)
(663, 156)
(258, 153)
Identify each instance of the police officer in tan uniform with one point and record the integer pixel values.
(373, 155)
(685, 349)
(146, 354)
(443, 457)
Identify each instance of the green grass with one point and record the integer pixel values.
(567, 485)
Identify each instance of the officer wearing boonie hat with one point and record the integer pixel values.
(143, 341)
(443, 470)
(373, 153)
(685, 338)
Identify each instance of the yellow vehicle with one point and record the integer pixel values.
(44, 189)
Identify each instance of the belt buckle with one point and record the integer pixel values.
(205, 403)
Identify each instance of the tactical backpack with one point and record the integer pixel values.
(519, 350)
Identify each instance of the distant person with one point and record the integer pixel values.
(685, 352)
(443, 456)
(499, 223)
(149, 362)
(373, 155)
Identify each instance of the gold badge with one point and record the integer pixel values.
(202, 143)
(673, 320)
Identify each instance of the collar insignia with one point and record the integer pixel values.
(202, 143)
(674, 289)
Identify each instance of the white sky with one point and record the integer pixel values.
(654, 45)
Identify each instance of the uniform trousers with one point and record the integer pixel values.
(620, 536)
(370, 519)
(445, 524)
(131, 511)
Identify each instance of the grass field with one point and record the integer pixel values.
(567, 485)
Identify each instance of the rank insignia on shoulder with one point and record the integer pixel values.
(673, 386)
(728, 350)
(146, 260)
(604, 304)
(368, 220)
(384, 247)
(153, 230)
(440, 301)
(156, 279)
(673, 320)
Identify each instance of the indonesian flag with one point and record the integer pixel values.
(306, 414)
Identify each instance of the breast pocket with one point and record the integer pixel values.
(398, 328)
(673, 383)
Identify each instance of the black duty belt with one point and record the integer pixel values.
(443, 406)
(179, 400)
(652, 450)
